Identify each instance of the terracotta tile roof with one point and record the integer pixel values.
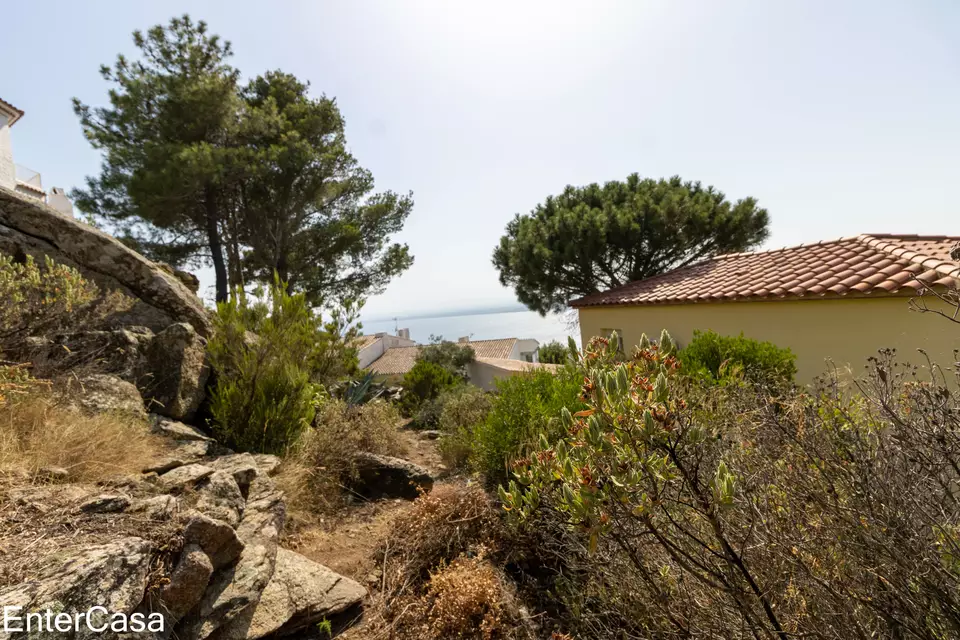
(366, 341)
(399, 360)
(394, 361)
(14, 113)
(492, 348)
(862, 265)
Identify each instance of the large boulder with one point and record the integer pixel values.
(387, 477)
(187, 583)
(228, 605)
(111, 575)
(300, 594)
(118, 352)
(29, 227)
(100, 392)
(219, 497)
(174, 372)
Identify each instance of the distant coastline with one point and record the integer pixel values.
(450, 313)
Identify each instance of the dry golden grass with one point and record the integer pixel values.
(440, 526)
(314, 475)
(37, 432)
(465, 599)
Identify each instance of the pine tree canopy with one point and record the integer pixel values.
(593, 238)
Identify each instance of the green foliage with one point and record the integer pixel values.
(462, 409)
(452, 356)
(38, 301)
(524, 407)
(593, 238)
(553, 353)
(169, 143)
(267, 355)
(257, 179)
(308, 209)
(671, 508)
(719, 358)
(424, 382)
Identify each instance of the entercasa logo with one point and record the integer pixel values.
(96, 619)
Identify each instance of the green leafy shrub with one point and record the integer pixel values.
(719, 358)
(461, 410)
(423, 383)
(262, 353)
(39, 301)
(675, 509)
(524, 407)
(553, 353)
(452, 356)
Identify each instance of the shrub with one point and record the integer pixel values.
(723, 357)
(524, 407)
(553, 353)
(37, 431)
(462, 409)
(40, 301)
(315, 471)
(424, 382)
(262, 352)
(452, 356)
(466, 599)
(714, 512)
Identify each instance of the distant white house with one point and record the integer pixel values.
(19, 178)
(374, 346)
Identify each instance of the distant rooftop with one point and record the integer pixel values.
(13, 114)
(399, 360)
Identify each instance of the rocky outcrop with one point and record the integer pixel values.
(228, 605)
(386, 477)
(177, 430)
(174, 372)
(111, 575)
(194, 539)
(300, 594)
(187, 583)
(99, 393)
(118, 352)
(28, 227)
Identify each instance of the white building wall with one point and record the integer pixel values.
(525, 347)
(370, 353)
(8, 171)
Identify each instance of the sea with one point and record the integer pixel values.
(479, 325)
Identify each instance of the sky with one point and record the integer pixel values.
(839, 118)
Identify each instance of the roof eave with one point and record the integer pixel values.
(902, 292)
(13, 114)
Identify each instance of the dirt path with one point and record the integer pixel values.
(348, 542)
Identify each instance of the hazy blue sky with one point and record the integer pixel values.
(841, 118)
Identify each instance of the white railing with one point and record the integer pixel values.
(28, 176)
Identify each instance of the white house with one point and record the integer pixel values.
(21, 179)
(374, 346)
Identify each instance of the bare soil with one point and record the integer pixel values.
(349, 542)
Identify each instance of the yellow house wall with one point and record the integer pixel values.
(846, 331)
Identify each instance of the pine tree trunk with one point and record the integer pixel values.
(216, 246)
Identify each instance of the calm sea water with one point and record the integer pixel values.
(484, 326)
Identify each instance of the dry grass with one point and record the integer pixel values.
(315, 474)
(466, 599)
(439, 527)
(37, 432)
